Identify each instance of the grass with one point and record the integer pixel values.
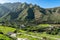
(43, 25)
(28, 37)
(52, 37)
(6, 29)
(49, 37)
(3, 37)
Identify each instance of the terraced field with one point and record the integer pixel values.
(29, 35)
(6, 29)
(3, 37)
(37, 36)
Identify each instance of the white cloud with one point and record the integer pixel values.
(2, 1)
(5, 1)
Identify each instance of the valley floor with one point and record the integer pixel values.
(4, 30)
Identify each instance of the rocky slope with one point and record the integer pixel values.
(23, 12)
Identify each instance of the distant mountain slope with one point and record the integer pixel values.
(3, 10)
(28, 12)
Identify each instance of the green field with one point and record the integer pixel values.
(3, 37)
(38, 35)
(25, 34)
(6, 29)
(44, 25)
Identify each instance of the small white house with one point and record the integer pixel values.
(11, 34)
(22, 26)
(0, 24)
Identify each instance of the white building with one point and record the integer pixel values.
(11, 34)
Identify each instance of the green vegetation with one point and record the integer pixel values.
(4, 37)
(27, 34)
(18, 12)
(36, 21)
(43, 25)
(38, 35)
(45, 35)
(54, 31)
(28, 37)
(6, 29)
(37, 28)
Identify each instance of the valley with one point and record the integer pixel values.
(29, 35)
(23, 21)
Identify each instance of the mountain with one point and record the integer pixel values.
(3, 10)
(23, 12)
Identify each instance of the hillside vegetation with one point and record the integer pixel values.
(25, 34)
(28, 13)
(29, 21)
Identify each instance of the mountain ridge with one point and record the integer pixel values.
(28, 12)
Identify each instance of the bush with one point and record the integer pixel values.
(53, 31)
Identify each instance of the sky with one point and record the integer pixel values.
(41, 3)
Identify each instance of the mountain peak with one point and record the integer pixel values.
(29, 12)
